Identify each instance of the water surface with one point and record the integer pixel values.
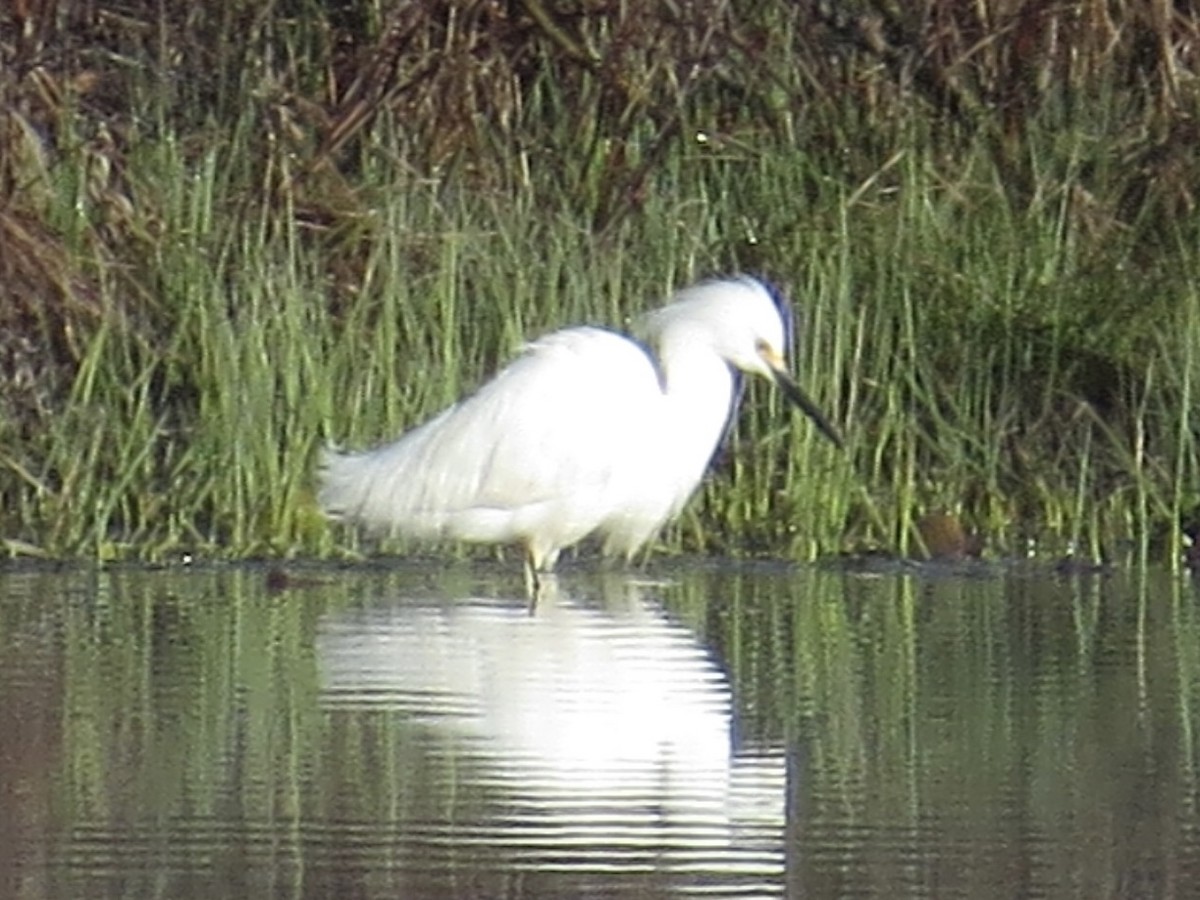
(706, 730)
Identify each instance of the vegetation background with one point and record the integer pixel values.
(231, 232)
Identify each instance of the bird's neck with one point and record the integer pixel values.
(698, 387)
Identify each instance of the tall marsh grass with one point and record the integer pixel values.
(1003, 320)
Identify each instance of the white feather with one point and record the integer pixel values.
(586, 432)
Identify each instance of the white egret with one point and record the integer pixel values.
(586, 432)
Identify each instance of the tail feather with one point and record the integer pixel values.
(387, 488)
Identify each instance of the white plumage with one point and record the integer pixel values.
(586, 432)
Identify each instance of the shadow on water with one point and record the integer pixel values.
(730, 731)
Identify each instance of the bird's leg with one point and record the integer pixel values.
(541, 584)
(532, 581)
(545, 594)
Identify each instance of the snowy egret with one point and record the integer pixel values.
(586, 432)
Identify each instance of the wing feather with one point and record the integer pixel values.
(546, 444)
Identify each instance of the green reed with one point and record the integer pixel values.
(980, 359)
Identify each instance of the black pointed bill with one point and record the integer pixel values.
(796, 395)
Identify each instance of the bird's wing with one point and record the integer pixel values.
(559, 425)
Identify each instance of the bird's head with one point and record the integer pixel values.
(746, 322)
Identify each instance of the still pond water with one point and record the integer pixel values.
(716, 731)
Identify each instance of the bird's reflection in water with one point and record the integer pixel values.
(600, 716)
